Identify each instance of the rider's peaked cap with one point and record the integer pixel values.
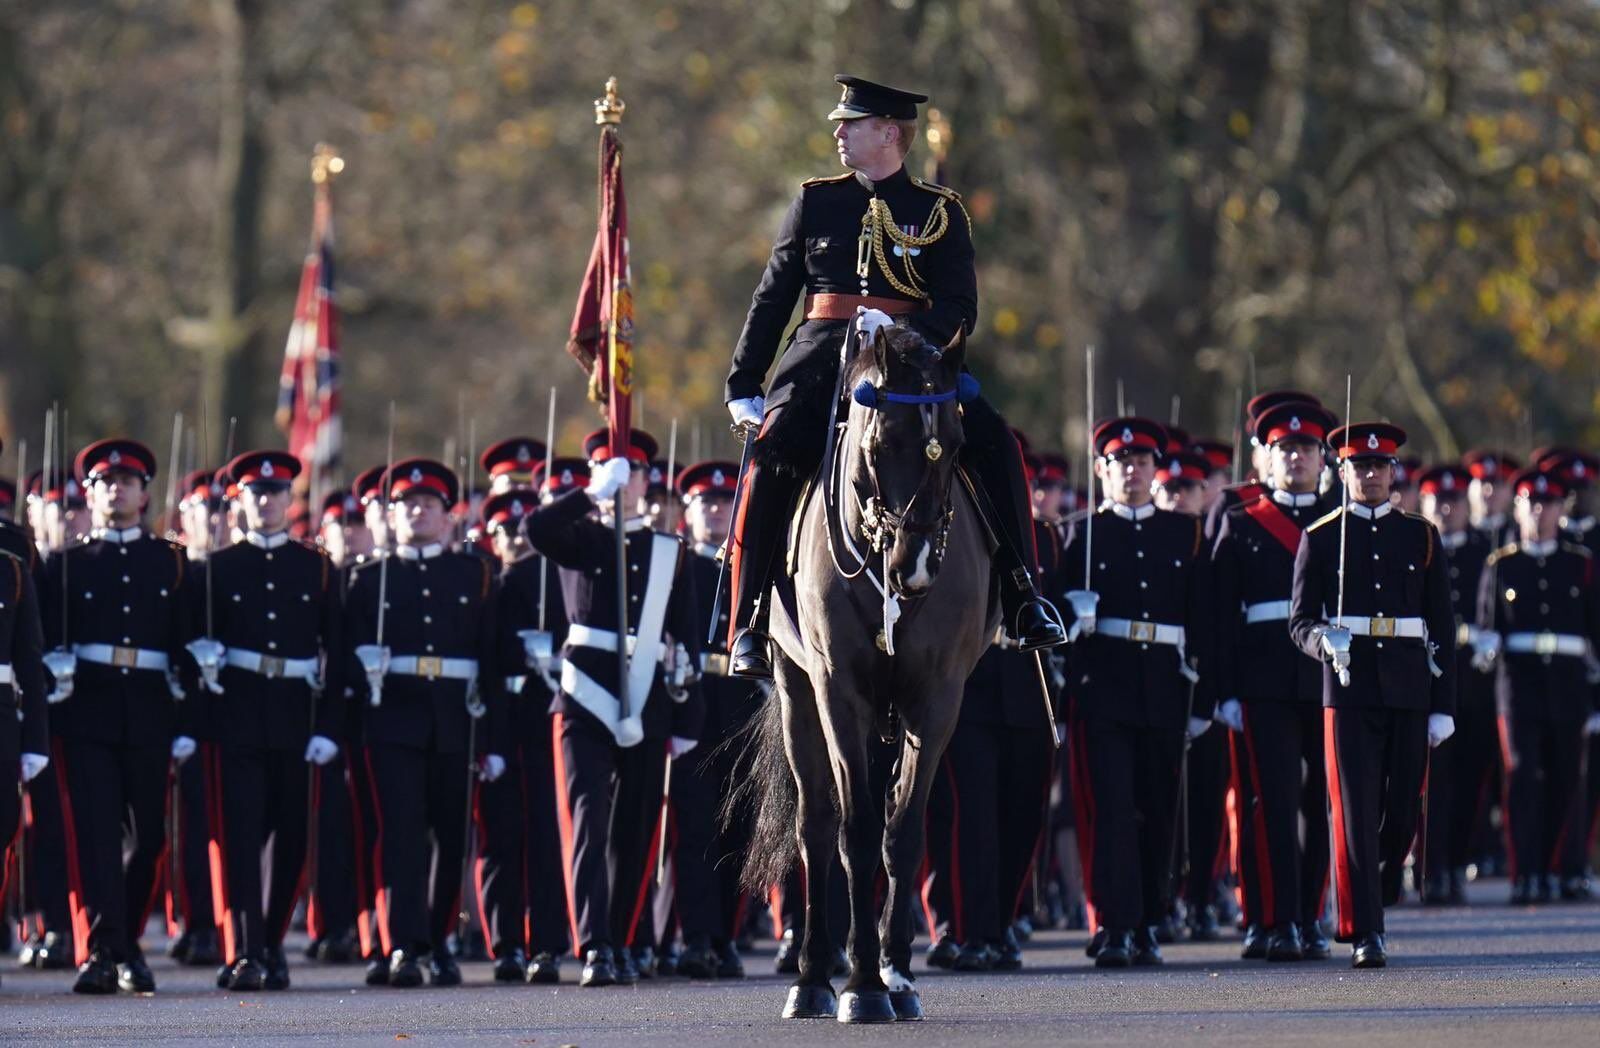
(863, 98)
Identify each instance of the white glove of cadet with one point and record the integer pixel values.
(678, 746)
(1084, 604)
(492, 767)
(1198, 726)
(32, 765)
(868, 321)
(1231, 713)
(321, 749)
(182, 748)
(1440, 727)
(1590, 726)
(608, 479)
(747, 412)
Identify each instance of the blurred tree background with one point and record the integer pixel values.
(1223, 195)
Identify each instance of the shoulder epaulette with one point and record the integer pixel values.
(1325, 518)
(824, 179)
(1504, 551)
(934, 187)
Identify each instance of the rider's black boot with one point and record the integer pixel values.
(758, 525)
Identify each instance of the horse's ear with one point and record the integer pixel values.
(880, 353)
(955, 351)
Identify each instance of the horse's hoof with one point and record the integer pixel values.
(907, 1005)
(865, 1006)
(810, 1002)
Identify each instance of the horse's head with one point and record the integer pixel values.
(905, 426)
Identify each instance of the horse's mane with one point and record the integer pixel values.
(906, 346)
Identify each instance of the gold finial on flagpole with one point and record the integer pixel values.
(325, 163)
(938, 135)
(608, 110)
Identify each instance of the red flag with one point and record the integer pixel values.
(308, 388)
(602, 326)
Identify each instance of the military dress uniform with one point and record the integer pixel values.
(1129, 681)
(1402, 670)
(275, 610)
(1542, 600)
(902, 246)
(23, 721)
(521, 881)
(609, 768)
(126, 618)
(440, 637)
(1279, 690)
(1462, 768)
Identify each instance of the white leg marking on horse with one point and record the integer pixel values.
(920, 577)
(892, 978)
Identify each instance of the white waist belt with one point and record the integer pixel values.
(270, 665)
(5, 674)
(1547, 644)
(123, 658)
(433, 667)
(514, 684)
(1378, 626)
(1267, 611)
(1143, 632)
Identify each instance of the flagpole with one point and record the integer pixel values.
(608, 115)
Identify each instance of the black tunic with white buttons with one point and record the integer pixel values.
(1549, 589)
(23, 726)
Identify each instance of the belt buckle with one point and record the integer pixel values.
(430, 666)
(125, 658)
(717, 664)
(1142, 631)
(1544, 643)
(1381, 627)
(271, 665)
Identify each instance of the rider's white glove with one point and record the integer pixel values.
(608, 479)
(868, 321)
(747, 412)
(182, 748)
(321, 749)
(1440, 727)
(1231, 713)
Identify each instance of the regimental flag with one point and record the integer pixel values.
(308, 388)
(601, 340)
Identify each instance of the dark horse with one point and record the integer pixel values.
(886, 522)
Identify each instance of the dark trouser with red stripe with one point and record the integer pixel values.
(192, 850)
(1583, 819)
(47, 854)
(766, 504)
(614, 797)
(995, 779)
(115, 837)
(706, 858)
(521, 882)
(1375, 761)
(1460, 776)
(341, 852)
(1283, 744)
(1548, 751)
(1207, 800)
(257, 795)
(420, 797)
(1127, 777)
(1245, 832)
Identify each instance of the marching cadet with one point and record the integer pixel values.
(1489, 495)
(1378, 575)
(1271, 693)
(835, 246)
(613, 746)
(189, 895)
(1129, 677)
(270, 624)
(1181, 483)
(419, 627)
(512, 465)
(116, 617)
(1460, 768)
(710, 902)
(1404, 494)
(1255, 485)
(1219, 462)
(368, 490)
(58, 515)
(1540, 599)
(341, 531)
(522, 884)
(24, 732)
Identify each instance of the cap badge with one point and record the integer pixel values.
(1294, 423)
(516, 507)
(718, 478)
(266, 469)
(1578, 468)
(416, 476)
(1541, 485)
(523, 454)
(566, 476)
(1372, 441)
(1448, 482)
(1127, 435)
(115, 458)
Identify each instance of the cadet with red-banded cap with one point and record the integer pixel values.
(1489, 494)
(1460, 768)
(341, 531)
(521, 880)
(57, 512)
(1129, 676)
(429, 673)
(611, 760)
(1388, 675)
(117, 653)
(1255, 483)
(1539, 597)
(511, 465)
(273, 702)
(1271, 693)
(368, 490)
(1180, 482)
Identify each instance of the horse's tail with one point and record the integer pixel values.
(765, 784)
